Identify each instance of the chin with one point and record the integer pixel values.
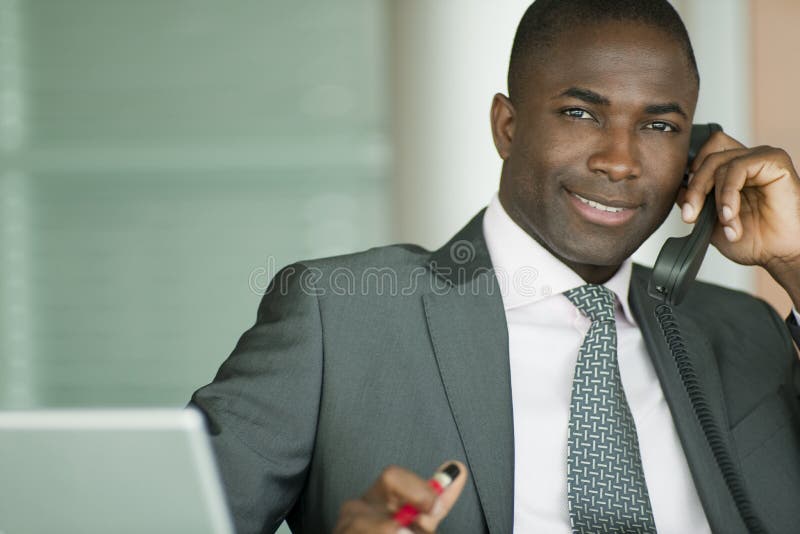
(595, 255)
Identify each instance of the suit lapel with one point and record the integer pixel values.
(467, 325)
(717, 501)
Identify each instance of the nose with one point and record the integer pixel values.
(616, 155)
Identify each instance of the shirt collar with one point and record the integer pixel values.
(528, 273)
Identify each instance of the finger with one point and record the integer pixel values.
(733, 230)
(716, 142)
(718, 236)
(729, 181)
(680, 199)
(703, 180)
(445, 502)
(397, 486)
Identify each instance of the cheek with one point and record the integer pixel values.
(528, 175)
(662, 200)
(665, 170)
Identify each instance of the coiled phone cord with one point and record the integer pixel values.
(704, 415)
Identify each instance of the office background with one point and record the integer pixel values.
(160, 159)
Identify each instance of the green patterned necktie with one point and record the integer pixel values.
(605, 482)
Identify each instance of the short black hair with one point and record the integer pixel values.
(545, 20)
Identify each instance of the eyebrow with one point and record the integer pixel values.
(586, 95)
(591, 97)
(662, 109)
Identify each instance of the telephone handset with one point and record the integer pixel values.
(680, 257)
(675, 268)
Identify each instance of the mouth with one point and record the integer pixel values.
(605, 212)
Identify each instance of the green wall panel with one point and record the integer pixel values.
(158, 159)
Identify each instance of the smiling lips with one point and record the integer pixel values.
(615, 214)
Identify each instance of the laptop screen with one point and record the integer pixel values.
(101, 471)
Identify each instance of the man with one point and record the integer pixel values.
(337, 381)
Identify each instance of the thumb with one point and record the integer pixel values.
(444, 502)
(681, 197)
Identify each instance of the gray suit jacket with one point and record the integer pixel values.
(400, 356)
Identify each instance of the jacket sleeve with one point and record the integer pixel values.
(262, 406)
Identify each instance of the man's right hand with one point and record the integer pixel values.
(373, 513)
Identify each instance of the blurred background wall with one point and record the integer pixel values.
(161, 159)
(775, 77)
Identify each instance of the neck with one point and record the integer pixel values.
(592, 274)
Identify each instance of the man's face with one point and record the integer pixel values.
(605, 118)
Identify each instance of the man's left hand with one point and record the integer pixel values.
(757, 192)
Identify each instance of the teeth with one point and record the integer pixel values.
(597, 205)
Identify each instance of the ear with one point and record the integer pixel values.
(502, 118)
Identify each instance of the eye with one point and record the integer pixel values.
(661, 126)
(577, 113)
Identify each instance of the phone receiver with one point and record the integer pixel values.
(680, 258)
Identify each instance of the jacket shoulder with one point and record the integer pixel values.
(393, 270)
(402, 255)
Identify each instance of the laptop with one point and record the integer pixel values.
(103, 471)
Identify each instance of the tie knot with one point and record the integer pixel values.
(594, 301)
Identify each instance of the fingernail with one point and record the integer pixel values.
(442, 478)
(404, 530)
(687, 212)
(451, 470)
(730, 233)
(691, 177)
(727, 213)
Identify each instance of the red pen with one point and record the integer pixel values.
(441, 480)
